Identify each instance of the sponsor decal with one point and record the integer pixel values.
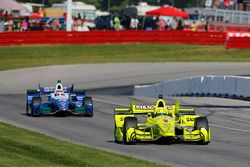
(165, 121)
(238, 34)
(145, 107)
(169, 107)
(49, 89)
(190, 119)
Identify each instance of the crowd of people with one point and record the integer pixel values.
(10, 24)
(147, 23)
(14, 24)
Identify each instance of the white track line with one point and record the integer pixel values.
(214, 125)
(234, 129)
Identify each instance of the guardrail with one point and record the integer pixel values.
(102, 37)
(225, 86)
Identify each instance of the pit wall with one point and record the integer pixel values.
(225, 86)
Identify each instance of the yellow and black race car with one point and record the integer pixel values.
(168, 123)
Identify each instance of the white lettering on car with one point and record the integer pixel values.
(145, 107)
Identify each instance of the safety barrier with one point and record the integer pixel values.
(102, 37)
(238, 43)
(228, 86)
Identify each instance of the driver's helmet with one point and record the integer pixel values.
(160, 107)
(59, 90)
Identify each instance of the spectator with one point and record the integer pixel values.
(40, 26)
(180, 25)
(117, 24)
(111, 22)
(56, 25)
(63, 25)
(41, 12)
(206, 26)
(194, 26)
(173, 24)
(2, 29)
(6, 16)
(24, 25)
(74, 24)
(124, 22)
(10, 25)
(203, 23)
(134, 22)
(161, 24)
(78, 24)
(167, 27)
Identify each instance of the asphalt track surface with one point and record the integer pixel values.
(229, 119)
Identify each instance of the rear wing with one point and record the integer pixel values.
(31, 93)
(51, 89)
(79, 92)
(135, 109)
(183, 111)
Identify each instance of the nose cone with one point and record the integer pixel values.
(166, 125)
(62, 104)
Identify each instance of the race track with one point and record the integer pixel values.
(229, 119)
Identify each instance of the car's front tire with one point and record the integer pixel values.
(36, 102)
(201, 122)
(129, 122)
(88, 103)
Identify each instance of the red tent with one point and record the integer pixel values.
(168, 11)
(35, 15)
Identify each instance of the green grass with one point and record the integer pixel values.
(30, 56)
(22, 148)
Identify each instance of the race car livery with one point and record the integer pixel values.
(58, 100)
(167, 123)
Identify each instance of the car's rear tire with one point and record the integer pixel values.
(35, 101)
(116, 141)
(88, 103)
(129, 122)
(201, 122)
(28, 109)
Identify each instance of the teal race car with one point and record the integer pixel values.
(58, 100)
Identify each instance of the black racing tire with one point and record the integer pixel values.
(201, 122)
(116, 141)
(28, 108)
(35, 100)
(88, 101)
(129, 122)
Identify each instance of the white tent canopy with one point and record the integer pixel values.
(10, 5)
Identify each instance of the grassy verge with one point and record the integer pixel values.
(19, 147)
(30, 56)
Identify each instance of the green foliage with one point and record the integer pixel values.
(118, 5)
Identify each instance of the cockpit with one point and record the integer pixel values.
(59, 93)
(59, 90)
(161, 107)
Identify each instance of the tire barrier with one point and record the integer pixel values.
(221, 86)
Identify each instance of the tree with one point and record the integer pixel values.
(118, 5)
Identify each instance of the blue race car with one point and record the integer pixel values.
(58, 100)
